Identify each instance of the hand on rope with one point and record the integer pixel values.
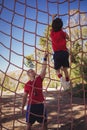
(22, 111)
(24, 100)
(53, 16)
(44, 65)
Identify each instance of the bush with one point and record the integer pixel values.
(80, 90)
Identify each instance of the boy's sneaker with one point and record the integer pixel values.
(67, 85)
(64, 84)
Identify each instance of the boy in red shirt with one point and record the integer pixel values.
(61, 55)
(33, 90)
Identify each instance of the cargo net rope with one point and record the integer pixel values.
(24, 37)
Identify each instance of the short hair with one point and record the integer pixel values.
(29, 71)
(57, 24)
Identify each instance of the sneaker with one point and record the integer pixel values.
(64, 84)
(67, 85)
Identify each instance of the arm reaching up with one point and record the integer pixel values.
(44, 65)
(53, 16)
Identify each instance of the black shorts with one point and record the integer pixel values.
(36, 112)
(61, 59)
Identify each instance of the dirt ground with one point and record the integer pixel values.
(65, 112)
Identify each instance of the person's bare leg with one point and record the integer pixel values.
(28, 127)
(44, 126)
(57, 72)
(66, 73)
(67, 80)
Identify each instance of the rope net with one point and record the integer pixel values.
(24, 33)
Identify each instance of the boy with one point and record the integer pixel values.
(61, 55)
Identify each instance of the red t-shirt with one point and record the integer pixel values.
(34, 90)
(58, 40)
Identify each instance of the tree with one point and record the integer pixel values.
(29, 61)
(78, 47)
(78, 31)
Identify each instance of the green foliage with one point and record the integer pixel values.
(83, 68)
(84, 32)
(29, 61)
(79, 46)
(9, 84)
(20, 86)
(45, 42)
(78, 54)
(80, 90)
